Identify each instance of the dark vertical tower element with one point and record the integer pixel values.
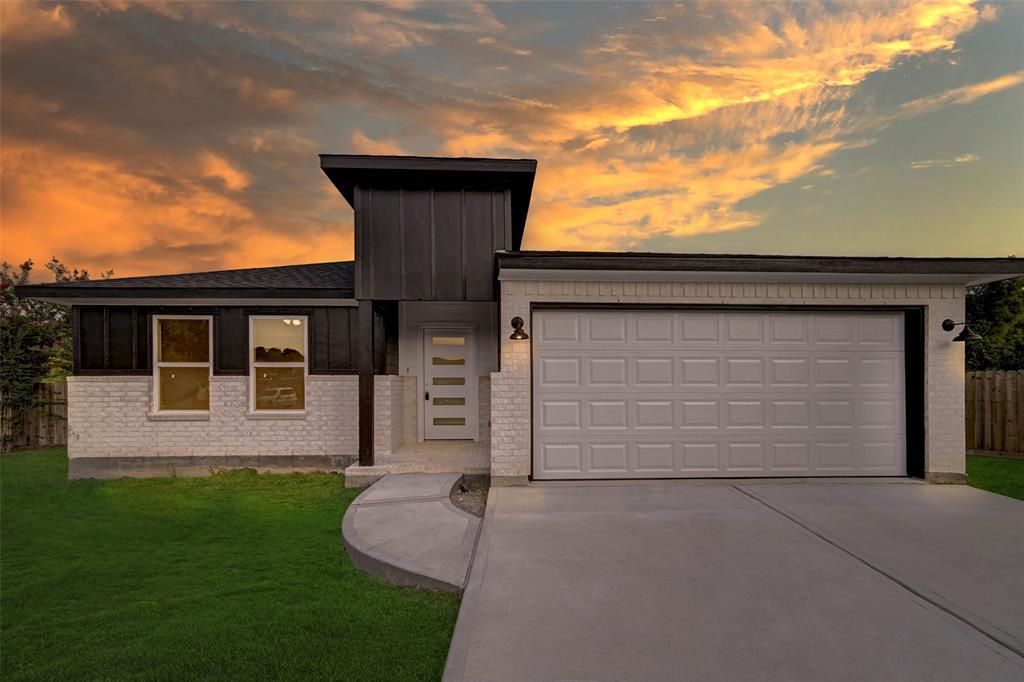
(426, 229)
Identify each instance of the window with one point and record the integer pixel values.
(181, 367)
(277, 373)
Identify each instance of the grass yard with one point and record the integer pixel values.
(235, 576)
(996, 474)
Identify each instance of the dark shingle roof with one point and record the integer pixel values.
(317, 280)
(967, 269)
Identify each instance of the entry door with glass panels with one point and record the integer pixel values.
(450, 388)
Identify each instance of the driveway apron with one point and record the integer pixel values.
(704, 581)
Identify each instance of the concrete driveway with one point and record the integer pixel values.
(746, 581)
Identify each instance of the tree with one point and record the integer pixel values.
(996, 311)
(35, 337)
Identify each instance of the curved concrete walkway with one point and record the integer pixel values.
(405, 530)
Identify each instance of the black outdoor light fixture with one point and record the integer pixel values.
(517, 325)
(966, 334)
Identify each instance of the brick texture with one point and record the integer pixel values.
(109, 416)
(944, 361)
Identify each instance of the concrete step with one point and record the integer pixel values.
(359, 476)
(405, 530)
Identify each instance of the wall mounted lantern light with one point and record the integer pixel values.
(966, 334)
(517, 325)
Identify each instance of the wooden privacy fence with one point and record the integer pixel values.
(45, 425)
(995, 411)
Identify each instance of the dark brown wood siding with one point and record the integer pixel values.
(429, 245)
(117, 340)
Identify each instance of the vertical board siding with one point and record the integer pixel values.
(231, 333)
(91, 322)
(320, 342)
(120, 339)
(43, 425)
(448, 267)
(995, 411)
(340, 337)
(417, 246)
(385, 251)
(479, 246)
(429, 244)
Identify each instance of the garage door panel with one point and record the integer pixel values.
(560, 414)
(698, 328)
(653, 415)
(698, 371)
(658, 394)
(881, 331)
(559, 372)
(790, 330)
(606, 372)
(789, 372)
(653, 372)
(745, 457)
(607, 328)
(744, 371)
(559, 328)
(654, 457)
(608, 458)
(698, 457)
(608, 415)
(699, 414)
(651, 328)
(562, 458)
(790, 457)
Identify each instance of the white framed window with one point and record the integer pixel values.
(278, 363)
(182, 352)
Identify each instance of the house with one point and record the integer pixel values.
(445, 346)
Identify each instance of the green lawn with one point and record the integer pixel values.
(235, 576)
(1003, 476)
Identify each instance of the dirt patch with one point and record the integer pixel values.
(470, 495)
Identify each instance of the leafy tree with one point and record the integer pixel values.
(35, 336)
(996, 311)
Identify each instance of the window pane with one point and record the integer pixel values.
(448, 340)
(183, 340)
(449, 381)
(449, 401)
(449, 421)
(278, 340)
(184, 388)
(449, 360)
(280, 388)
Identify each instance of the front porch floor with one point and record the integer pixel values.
(433, 456)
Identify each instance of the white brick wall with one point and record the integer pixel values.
(109, 416)
(394, 399)
(944, 361)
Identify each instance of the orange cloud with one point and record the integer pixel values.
(136, 224)
(362, 144)
(214, 166)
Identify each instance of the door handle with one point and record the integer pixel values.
(426, 396)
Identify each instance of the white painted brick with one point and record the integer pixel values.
(108, 416)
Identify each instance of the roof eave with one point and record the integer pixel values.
(82, 294)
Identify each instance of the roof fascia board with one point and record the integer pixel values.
(559, 275)
(198, 301)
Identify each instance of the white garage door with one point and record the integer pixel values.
(670, 394)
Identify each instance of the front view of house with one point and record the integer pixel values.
(444, 347)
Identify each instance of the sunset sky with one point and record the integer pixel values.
(175, 137)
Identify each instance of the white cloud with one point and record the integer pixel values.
(945, 163)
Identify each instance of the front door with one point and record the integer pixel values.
(450, 385)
